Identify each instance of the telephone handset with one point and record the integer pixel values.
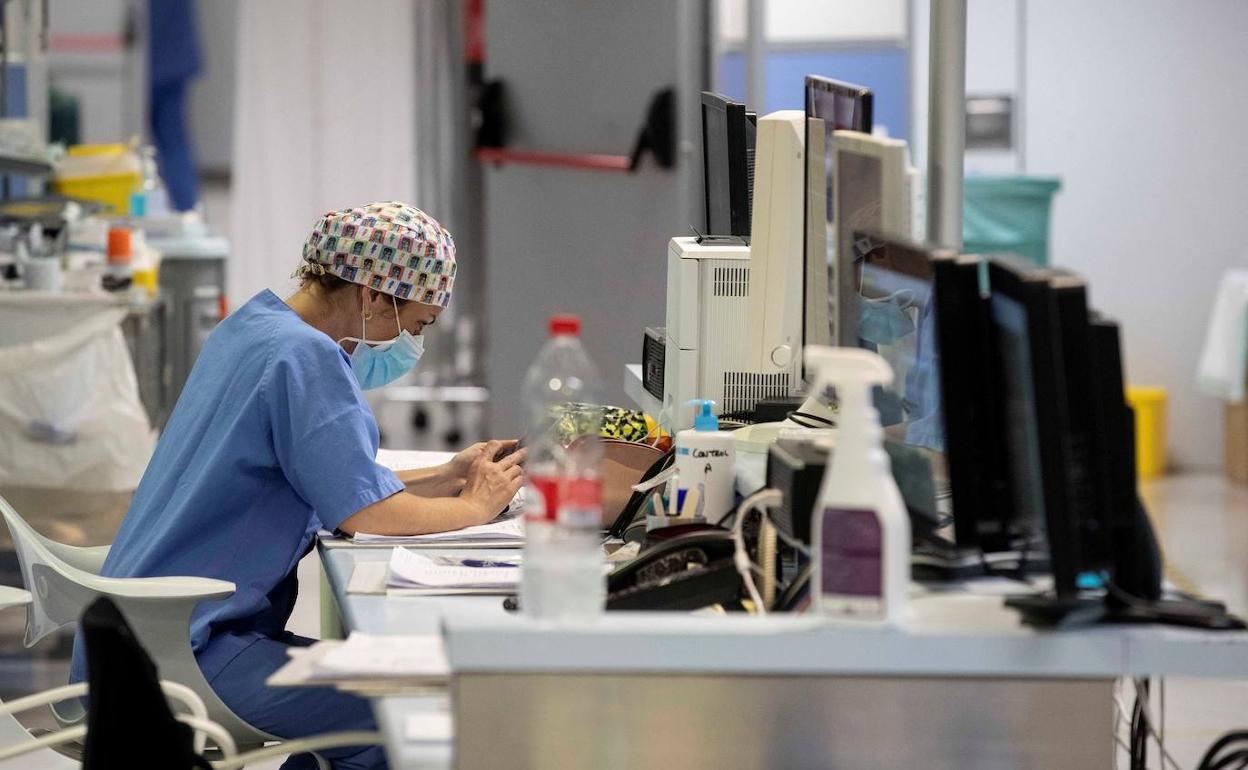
(689, 569)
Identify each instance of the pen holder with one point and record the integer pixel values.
(665, 510)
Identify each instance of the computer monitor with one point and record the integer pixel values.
(831, 105)
(1084, 442)
(840, 105)
(728, 137)
(922, 310)
(1123, 530)
(894, 304)
(973, 447)
(1031, 383)
(870, 194)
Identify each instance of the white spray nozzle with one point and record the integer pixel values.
(854, 372)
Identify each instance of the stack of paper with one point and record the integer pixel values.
(501, 533)
(421, 574)
(365, 656)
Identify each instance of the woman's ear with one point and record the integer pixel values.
(381, 303)
(369, 300)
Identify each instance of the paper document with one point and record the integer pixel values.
(405, 460)
(506, 531)
(366, 656)
(409, 569)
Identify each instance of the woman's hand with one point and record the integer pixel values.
(454, 474)
(490, 485)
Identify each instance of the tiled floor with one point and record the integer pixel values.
(1202, 522)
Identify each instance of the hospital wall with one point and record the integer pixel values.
(1134, 105)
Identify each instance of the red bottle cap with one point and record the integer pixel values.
(565, 325)
(119, 246)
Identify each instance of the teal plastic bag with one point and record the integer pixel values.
(1008, 214)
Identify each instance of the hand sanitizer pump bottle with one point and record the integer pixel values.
(861, 531)
(704, 462)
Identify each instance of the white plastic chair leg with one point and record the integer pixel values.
(302, 746)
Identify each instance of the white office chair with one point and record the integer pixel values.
(65, 579)
(16, 741)
(11, 731)
(20, 743)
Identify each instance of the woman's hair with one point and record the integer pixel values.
(328, 283)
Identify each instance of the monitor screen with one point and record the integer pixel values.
(861, 195)
(1020, 415)
(842, 106)
(830, 106)
(727, 154)
(895, 316)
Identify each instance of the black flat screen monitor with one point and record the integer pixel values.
(1114, 512)
(1030, 379)
(1123, 527)
(1085, 443)
(728, 138)
(831, 105)
(973, 447)
(896, 299)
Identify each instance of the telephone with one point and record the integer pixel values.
(690, 568)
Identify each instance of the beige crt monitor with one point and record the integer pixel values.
(734, 312)
(774, 310)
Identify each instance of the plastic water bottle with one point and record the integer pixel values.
(562, 577)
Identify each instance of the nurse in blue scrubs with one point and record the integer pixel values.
(271, 441)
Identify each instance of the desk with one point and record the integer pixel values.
(965, 683)
(407, 615)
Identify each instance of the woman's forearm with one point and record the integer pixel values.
(428, 482)
(406, 514)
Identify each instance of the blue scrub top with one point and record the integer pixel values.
(270, 441)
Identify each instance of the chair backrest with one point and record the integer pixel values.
(158, 609)
(56, 601)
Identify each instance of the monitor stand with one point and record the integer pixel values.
(1052, 611)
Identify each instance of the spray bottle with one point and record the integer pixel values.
(861, 531)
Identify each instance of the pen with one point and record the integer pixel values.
(489, 563)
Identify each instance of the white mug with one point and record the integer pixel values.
(43, 274)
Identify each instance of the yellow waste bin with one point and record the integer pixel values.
(1149, 403)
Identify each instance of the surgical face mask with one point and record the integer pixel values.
(379, 363)
(885, 320)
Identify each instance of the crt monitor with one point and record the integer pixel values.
(728, 138)
(831, 105)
